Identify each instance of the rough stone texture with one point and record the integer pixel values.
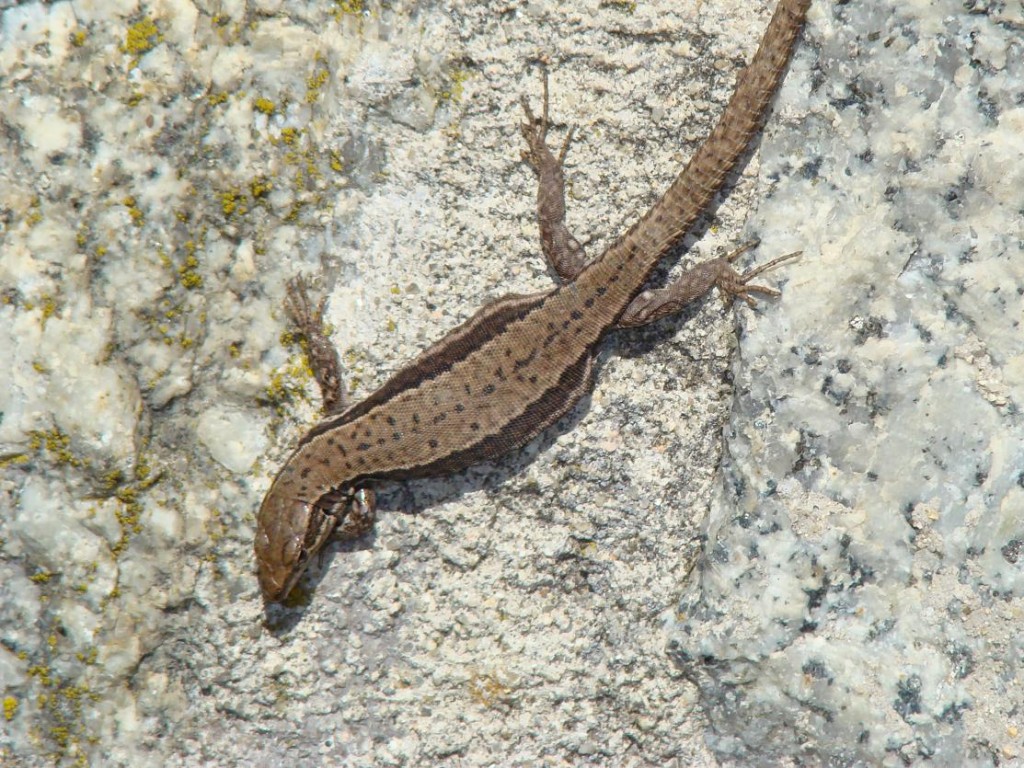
(166, 166)
(862, 597)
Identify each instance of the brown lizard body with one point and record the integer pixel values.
(522, 361)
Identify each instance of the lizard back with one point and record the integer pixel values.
(521, 362)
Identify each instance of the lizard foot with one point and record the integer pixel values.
(535, 132)
(732, 284)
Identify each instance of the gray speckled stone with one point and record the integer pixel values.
(860, 599)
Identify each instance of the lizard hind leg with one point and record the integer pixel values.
(696, 282)
(564, 253)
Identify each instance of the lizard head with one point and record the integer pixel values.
(291, 530)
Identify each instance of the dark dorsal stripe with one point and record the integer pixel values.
(554, 403)
(489, 322)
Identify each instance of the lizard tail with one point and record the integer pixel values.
(703, 176)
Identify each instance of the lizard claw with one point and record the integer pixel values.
(733, 284)
(535, 132)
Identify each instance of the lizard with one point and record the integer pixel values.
(522, 361)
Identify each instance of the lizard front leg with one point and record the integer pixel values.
(562, 251)
(323, 357)
(355, 509)
(697, 281)
(295, 523)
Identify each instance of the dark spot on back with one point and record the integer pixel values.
(588, 303)
(522, 363)
(474, 426)
(363, 447)
(489, 389)
(439, 418)
(432, 443)
(305, 472)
